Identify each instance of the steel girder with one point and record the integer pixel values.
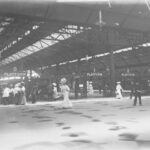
(130, 37)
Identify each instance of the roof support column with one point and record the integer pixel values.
(112, 72)
(57, 75)
(22, 66)
(77, 79)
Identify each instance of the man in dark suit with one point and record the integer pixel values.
(137, 93)
(132, 90)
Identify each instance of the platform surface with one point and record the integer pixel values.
(92, 124)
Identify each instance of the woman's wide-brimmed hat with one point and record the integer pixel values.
(54, 84)
(63, 80)
(17, 84)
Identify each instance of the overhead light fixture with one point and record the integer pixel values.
(100, 23)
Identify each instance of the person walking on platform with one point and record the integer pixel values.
(65, 92)
(23, 95)
(119, 90)
(55, 92)
(137, 94)
(34, 93)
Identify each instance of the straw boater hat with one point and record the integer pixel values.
(63, 80)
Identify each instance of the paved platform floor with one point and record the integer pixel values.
(92, 124)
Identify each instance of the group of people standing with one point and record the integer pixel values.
(14, 94)
(135, 92)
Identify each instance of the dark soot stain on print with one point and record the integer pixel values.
(143, 110)
(66, 128)
(116, 128)
(86, 116)
(143, 144)
(76, 134)
(60, 124)
(13, 122)
(96, 120)
(44, 120)
(39, 117)
(82, 141)
(69, 112)
(128, 136)
(31, 111)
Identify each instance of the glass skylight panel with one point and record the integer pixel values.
(35, 27)
(27, 32)
(14, 42)
(21, 54)
(101, 55)
(72, 61)
(9, 60)
(5, 23)
(29, 48)
(12, 58)
(54, 65)
(46, 42)
(38, 45)
(26, 50)
(19, 38)
(16, 56)
(35, 48)
(63, 63)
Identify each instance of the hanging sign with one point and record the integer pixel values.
(94, 74)
(128, 74)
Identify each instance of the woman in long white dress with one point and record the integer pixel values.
(65, 92)
(119, 90)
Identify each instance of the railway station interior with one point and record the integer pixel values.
(87, 49)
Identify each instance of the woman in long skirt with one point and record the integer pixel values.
(65, 92)
(119, 90)
(23, 95)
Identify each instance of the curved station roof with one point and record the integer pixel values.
(47, 33)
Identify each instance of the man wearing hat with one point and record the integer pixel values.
(34, 93)
(17, 91)
(137, 93)
(50, 90)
